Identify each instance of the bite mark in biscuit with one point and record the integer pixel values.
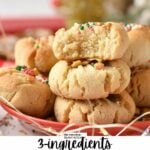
(107, 41)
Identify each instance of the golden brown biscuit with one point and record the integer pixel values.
(114, 109)
(107, 41)
(138, 52)
(139, 87)
(90, 79)
(35, 53)
(26, 92)
(141, 111)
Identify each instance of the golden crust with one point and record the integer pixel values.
(87, 81)
(25, 52)
(138, 52)
(44, 58)
(114, 109)
(27, 94)
(139, 87)
(35, 53)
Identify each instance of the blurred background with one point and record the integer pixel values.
(36, 18)
(24, 8)
(79, 10)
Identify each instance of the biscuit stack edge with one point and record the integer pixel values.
(90, 78)
(137, 56)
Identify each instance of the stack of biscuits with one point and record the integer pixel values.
(137, 56)
(90, 78)
(89, 67)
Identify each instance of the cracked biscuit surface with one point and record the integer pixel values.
(89, 79)
(113, 109)
(138, 52)
(27, 94)
(107, 41)
(37, 53)
(139, 87)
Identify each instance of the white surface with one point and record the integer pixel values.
(13, 8)
(45, 143)
(10, 126)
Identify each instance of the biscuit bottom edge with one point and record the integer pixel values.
(118, 108)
